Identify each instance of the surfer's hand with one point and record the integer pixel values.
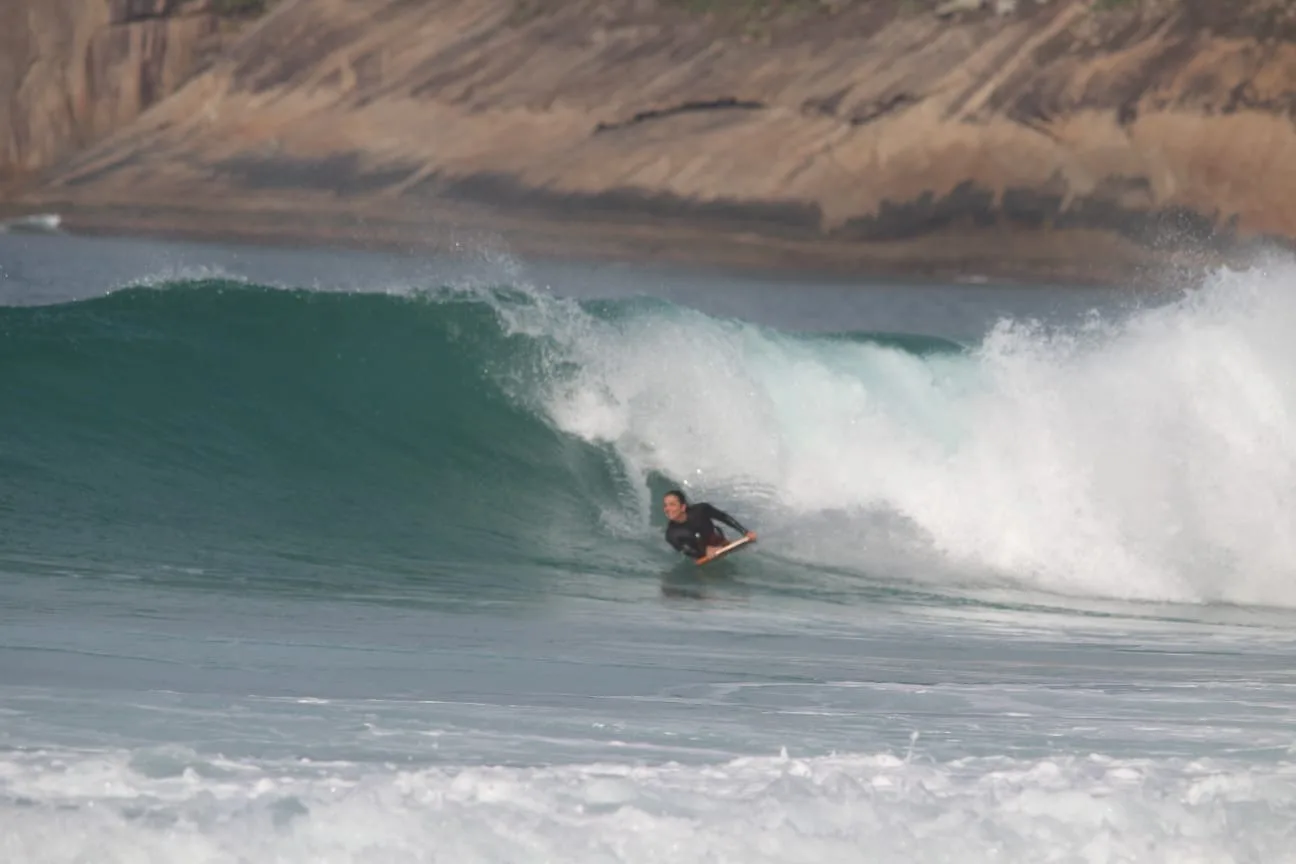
(751, 535)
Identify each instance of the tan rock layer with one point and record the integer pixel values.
(73, 72)
(879, 122)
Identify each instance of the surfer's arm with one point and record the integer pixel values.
(719, 515)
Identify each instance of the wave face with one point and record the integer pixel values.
(210, 416)
(206, 420)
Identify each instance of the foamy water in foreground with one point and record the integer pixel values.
(109, 807)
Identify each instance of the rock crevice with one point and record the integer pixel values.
(727, 103)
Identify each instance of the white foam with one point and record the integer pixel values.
(43, 223)
(100, 807)
(1148, 458)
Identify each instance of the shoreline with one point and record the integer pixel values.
(961, 256)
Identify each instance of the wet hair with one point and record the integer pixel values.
(679, 496)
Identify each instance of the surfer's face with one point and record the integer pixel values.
(673, 508)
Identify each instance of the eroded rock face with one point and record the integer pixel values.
(882, 122)
(74, 72)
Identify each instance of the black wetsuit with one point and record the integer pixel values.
(696, 533)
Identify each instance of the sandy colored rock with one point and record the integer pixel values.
(1164, 124)
(74, 72)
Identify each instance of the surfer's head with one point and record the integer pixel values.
(675, 505)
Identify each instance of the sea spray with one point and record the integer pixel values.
(1147, 457)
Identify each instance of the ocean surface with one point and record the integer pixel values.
(312, 556)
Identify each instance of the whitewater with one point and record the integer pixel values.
(312, 556)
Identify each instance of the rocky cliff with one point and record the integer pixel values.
(72, 72)
(1047, 135)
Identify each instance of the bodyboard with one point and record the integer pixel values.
(725, 550)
